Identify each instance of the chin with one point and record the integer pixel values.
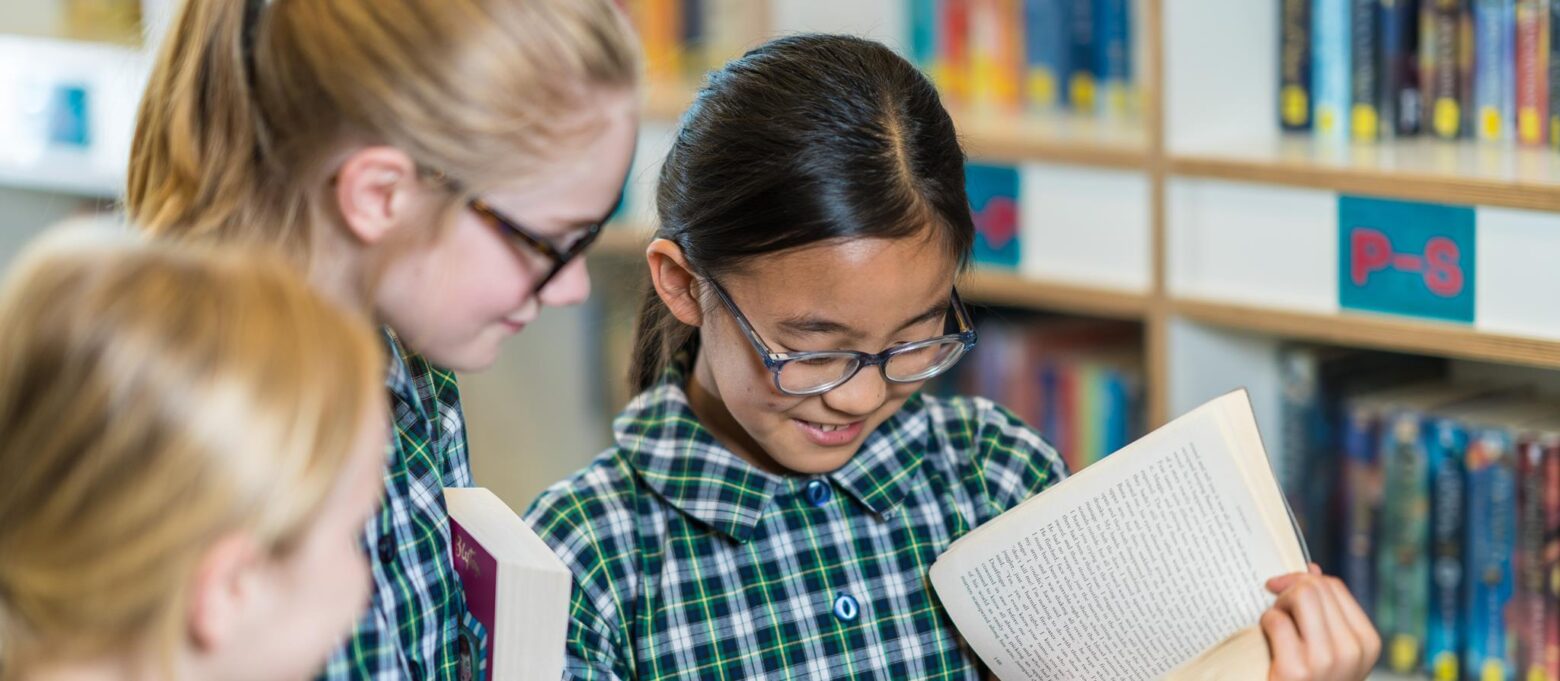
(816, 462)
(472, 358)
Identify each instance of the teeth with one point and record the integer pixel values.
(827, 428)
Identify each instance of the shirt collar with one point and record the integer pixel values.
(680, 460)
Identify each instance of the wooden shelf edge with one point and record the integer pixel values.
(1375, 332)
(1016, 149)
(1405, 185)
(1010, 289)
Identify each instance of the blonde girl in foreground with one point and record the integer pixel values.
(192, 443)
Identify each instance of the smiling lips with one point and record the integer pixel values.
(829, 434)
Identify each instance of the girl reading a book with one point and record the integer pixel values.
(192, 444)
(779, 488)
(438, 165)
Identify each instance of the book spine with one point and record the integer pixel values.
(1083, 78)
(1532, 71)
(1044, 53)
(1492, 529)
(1529, 564)
(1399, 93)
(923, 34)
(953, 61)
(1294, 89)
(984, 47)
(1402, 562)
(1444, 638)
(695, 37)
(1010, 87)
(1114, 57)
(1364, 67)
(1440, 45)
(1493, 91)
(478, 572)
(1551, 557)
(661, 33)
(1553, 36)
(1362, 496)
(1331, 49)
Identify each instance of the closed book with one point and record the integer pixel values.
(515, 586)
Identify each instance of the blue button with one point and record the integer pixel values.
(819, 493)
(846, 608)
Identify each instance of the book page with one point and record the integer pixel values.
(1128, 570)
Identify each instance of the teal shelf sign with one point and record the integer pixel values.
(993, 192)
(1406, 258)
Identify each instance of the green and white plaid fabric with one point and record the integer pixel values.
(411, 630)
(691, 563)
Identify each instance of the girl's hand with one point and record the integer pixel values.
(1317, 630)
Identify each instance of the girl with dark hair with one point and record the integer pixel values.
(779, 488)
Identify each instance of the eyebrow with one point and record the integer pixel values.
(812, 325)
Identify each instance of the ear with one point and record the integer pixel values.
(674, 281)
(374, 189)
(222, 590)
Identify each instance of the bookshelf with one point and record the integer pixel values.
(1233, 227)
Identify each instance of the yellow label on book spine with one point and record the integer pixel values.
(1326, 119)
(1296, 104)
(1493, 670)
(1082, 88)
(1447, 117)
(1489, 123)
(1405, 653)
(1529, 127)
(1042, 88)
(1445, 666)
(1365, 122)
(1536, 673)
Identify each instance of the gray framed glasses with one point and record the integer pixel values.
(801, 374)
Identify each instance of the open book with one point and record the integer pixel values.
(1147, 563)
(516, 588)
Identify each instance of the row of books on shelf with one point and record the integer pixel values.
(1079, 382)
(1437, 500)
(1365, 70)
(683, 39)
(1035, 55)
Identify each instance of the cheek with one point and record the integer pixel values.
(479, 267)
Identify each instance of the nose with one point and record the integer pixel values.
(861, 395)
(571, 286)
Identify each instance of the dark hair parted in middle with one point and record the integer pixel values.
(803, 140)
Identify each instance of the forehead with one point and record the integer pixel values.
(861, 283)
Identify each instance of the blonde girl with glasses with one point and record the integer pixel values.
(439, 166)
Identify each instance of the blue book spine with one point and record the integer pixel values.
(1448, 494)
(1082, 76)
(1491, 544)
(1046, 51)
(1294, 65)
(1113, 55)
(1362, 499)
(1364, 70)
(1403, 554)
(1331, 49)
(1398, 96)
(923, 33)
(1494, 68)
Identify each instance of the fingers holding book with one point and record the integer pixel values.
(1316, 630)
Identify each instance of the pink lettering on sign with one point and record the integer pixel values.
(1440, 264)
(998, 222)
